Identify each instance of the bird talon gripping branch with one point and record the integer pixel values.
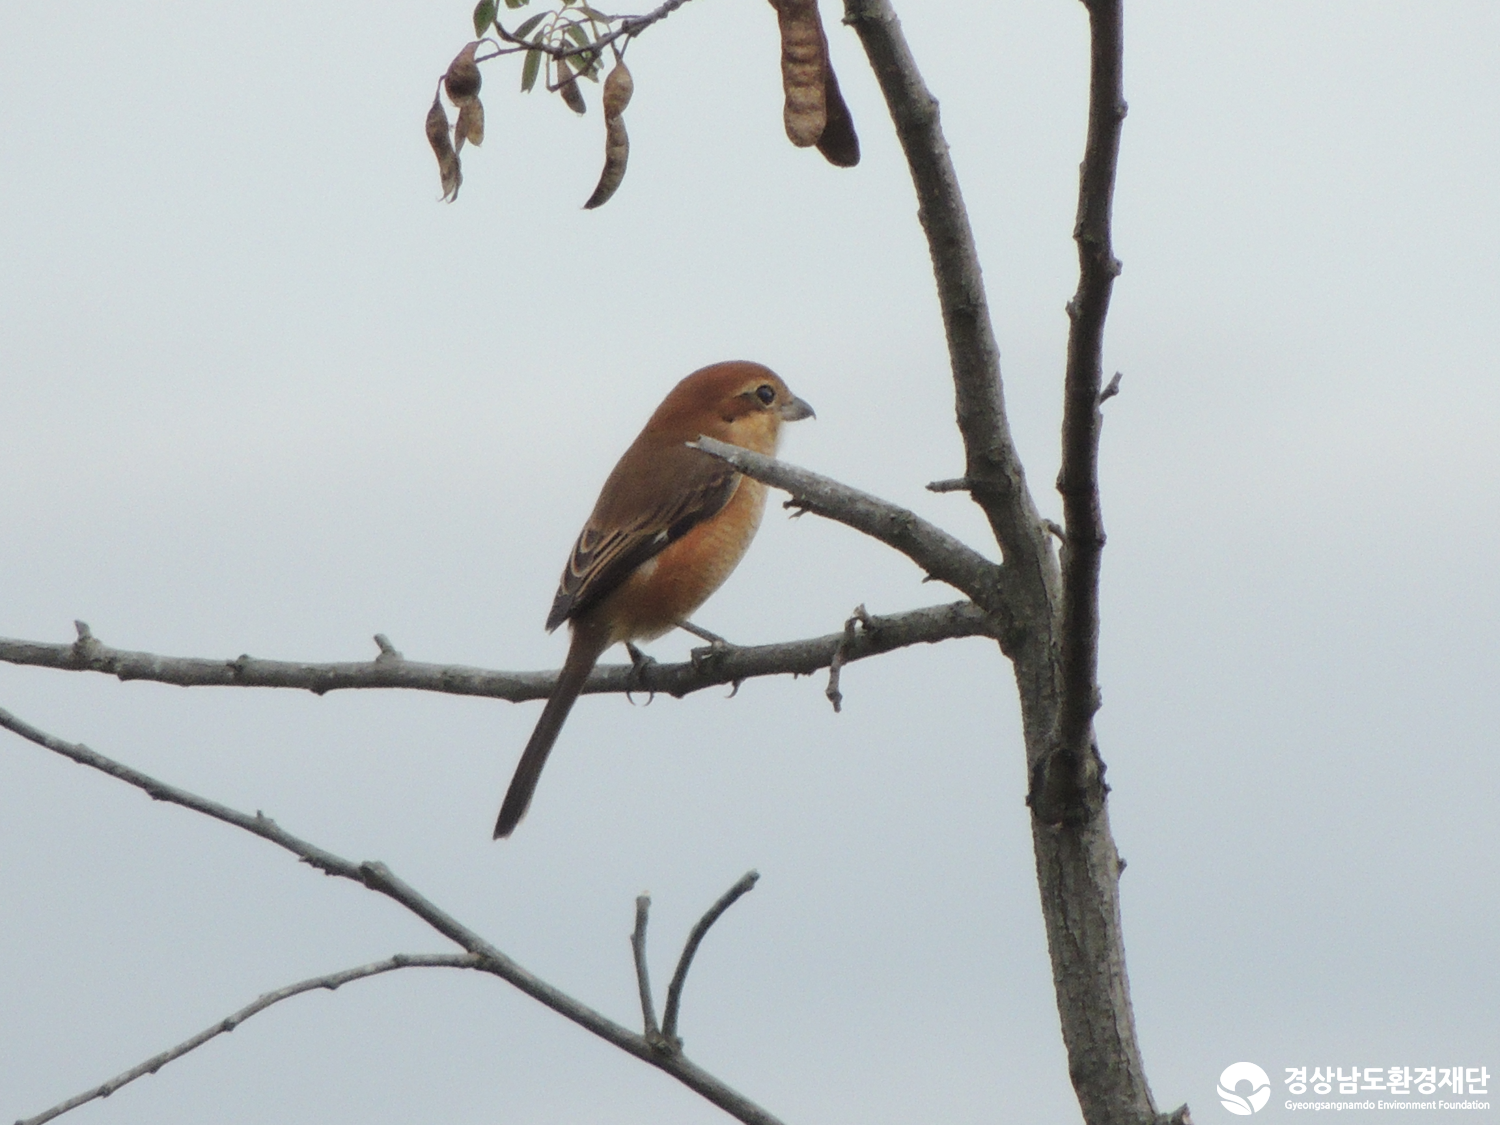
(670, 525)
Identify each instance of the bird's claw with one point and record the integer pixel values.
(640, 674)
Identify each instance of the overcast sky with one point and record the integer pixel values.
(263, 393)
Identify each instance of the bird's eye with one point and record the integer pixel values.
(766, 393)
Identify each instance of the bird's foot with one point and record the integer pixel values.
(716, 649)
(640, 674)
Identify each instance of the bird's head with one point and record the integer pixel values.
(738, 402)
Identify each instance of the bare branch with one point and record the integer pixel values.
(956, 484)
(330, 981)
(726, 665)
(642, 974)
(941, 555)
(378, 877)
(992, 466)
(1074, 787)
(695, 939)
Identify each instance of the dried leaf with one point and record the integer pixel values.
(463, 78)
(568, 88)
(839, 144)
(470, 126)
(529, 70)
(442, 147)
(617, 90)
(484, 16)
(616, 153)
(803, 51)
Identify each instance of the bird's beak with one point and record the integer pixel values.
(796, 410)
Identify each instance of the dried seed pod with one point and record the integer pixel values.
(839, 143)
(803, 51)
(567, 86)
(617, 90)
(442, 147)
(463, 78)
(470, 126)
(462, 81)
(616, 153)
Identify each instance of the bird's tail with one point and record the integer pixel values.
(584, 652)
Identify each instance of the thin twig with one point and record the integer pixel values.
(679, 978)
(330, 981)
(836, 665)
(377, 877)
(956, 484)
(630, 26)
(939, 554)
(728, 666)
(642, 974)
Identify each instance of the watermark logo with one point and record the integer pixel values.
(1260, 1088)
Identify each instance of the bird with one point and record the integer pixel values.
(670, 524)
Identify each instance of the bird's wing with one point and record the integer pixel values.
(652, 498)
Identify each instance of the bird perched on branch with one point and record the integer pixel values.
(670, 525)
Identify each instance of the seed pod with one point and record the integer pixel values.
(618, 87)
(470, 126)
(463, 78)
(839, 143)
(803, 52)
(617, 90)
(442, 147)
(616, 153)
(567, 86)
(462, 81)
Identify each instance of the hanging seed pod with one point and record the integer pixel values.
(803, 52)
(616, 153)
(618, 87)
(462, 81)
(567, 86)
(617, 90)
(839, 143)
(470, 126)
(442, 148)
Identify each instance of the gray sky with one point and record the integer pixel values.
(263, 393)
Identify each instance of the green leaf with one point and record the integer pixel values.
(520, 32)
(484, 15)
(516, 3)
(529, 71)
(576, 34)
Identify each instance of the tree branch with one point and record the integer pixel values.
(709, 668)
(674, 990)
(630, 27)
(330, 981)
(1077, 864)
(379, 878)
(992, 468)
(1078, 479)
(939, 554)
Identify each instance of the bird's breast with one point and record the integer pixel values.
(665, 590)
